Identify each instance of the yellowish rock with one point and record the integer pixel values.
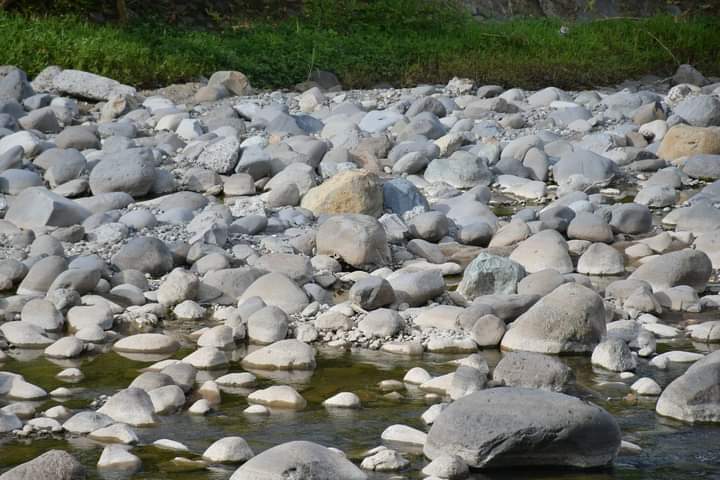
(683, 140)
(352, 191)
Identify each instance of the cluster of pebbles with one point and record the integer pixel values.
(444, 219)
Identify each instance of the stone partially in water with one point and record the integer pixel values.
(301, 459)
(513, 427)
(283, 355)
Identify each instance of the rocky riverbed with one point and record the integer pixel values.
(206, 281)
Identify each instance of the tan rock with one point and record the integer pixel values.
(683, 140)
(353, 191)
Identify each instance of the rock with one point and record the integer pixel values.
(401, 195)
(693, 396)
(683, 140)
(386, 460)
(544, 250)
(699, 110)
(402, 434)
(178, 286)
(592, 168)
(601, 259)
(350, 192)
(684, 267)
(631, 218)
(613, 354)
(86, 422)
(646, 386)
(234, 82)
(283, 355)
(118, 433)
(489, 429)
(372, 292)
(278, 396)
(130, 171)
(276, 289)
(430, 226)
(116, 457)
(343, 400)
(51, 465)
(461, 170)
(9, 422)
(145, 254)
(533, 370)
(37, 207)
(207, 358)
(66, 347)
(24, 335)
(308, 459)
(417, 287)
(146, 343)
(487, 331)
(490, 274)
(229, 450)
(570, 319)
(451, 467)
(89, 86)
(132, 406)
(359, 240)
(267, 325)
(381, 323)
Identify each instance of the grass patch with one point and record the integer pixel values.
(365, 47)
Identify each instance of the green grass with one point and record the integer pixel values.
(368, 47)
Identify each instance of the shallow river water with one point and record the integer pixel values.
(671, 450)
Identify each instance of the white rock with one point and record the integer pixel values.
(343, 400)
(646, 386)
(229, 450)
(278, 396)
(115, 457)
(404, 434)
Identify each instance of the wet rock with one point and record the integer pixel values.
(533, 370)
(474, 426)
(315, 461)
(132, 406)
(283, 355)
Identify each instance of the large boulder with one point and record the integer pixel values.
(146, 254)
(38, 207)
(694, 396)
(359, 240)
(89, 86)
(299, 460)
(351, 191)
(684, 267)
(277, 290)
(130, 171)
(132, 406)
(489, 275)
(594, 169)
(699, 110)
(684, 140)
(51, 465)
(533, 370)
(282, 355)
(513, 427)
(570, 319)
(544, 250)
(461, 170)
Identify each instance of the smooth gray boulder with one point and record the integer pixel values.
(299, 460)
(130, 171)
(372, 292)
(694, 396)
(38, 207)
(51, 465)
(359, 240)
(132, 406)
(87, 85)
(283, 355)
(684, 267)
(461, 170)
(277, 290)
(513, 427)
(146, 254)
(544, 250)
(613, 354)
(592, 168)
(490, 274)
(417, 287)
(533, 370)
(570, 319)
